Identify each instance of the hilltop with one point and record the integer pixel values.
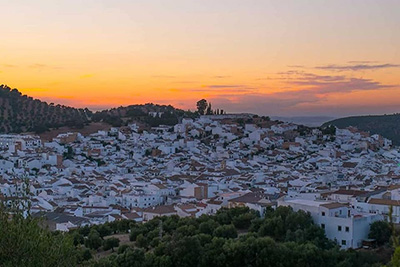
(21, 113)
(386, 125)
(148, 114)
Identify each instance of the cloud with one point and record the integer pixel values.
(361, 62)
(265, 103)
(224, 90)
(220, 89)
(323, 84)
(303, 93)
(357, 67)
(224, 86)
(348, 85)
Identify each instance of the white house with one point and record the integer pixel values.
(342, 224)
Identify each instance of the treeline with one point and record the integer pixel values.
(232, 237)
(20, 113)
(386, 125)
(150, 114)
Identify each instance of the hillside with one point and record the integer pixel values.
(386, 125)
(148, 114)
(21, 113)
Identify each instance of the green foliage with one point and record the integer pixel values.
(208, 227)
(94, 240)
(84, 255)
(330, 130)
(243, 221)
(78, 238)
(142, 241)
(24, 243)
(104, 230)
(380, 231)
(166, 115)
(282, 238)
(28, 114)
(385, 125)
(395, 262)
(122, 248)
(226, 231)
(110, 243)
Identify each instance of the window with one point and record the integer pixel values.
(339, 228)
(347, 229)
(323, 213)
(343, 242)
(322, 225)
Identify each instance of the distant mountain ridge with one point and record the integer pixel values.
(22, 113)
(386, 125)
(310, 121)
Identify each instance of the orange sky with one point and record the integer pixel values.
(269, 57)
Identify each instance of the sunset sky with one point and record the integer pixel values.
(280, 57)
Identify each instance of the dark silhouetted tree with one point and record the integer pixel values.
(202, 106)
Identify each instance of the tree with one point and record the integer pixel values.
(78, 238)
(111, 243)
(209, 110)
(243, 221)
(186, 252)
(123, 248)
(24, 243)
(201, 106)
(380, 231)
(226, 231)
(84, 255)
(94, 240)
(131, 257)
(208, 227)
(104, 230)
(142, 241)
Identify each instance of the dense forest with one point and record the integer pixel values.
(386, 125)
(232, 237)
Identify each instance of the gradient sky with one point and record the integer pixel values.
(280, 57)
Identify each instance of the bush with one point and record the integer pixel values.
(226, 231)
(380, 231)
(94, 240)
(110, 243)
(24, 243)
(122, 248)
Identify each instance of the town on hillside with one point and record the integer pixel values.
(346, 179)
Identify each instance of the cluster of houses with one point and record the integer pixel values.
(346, 180)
